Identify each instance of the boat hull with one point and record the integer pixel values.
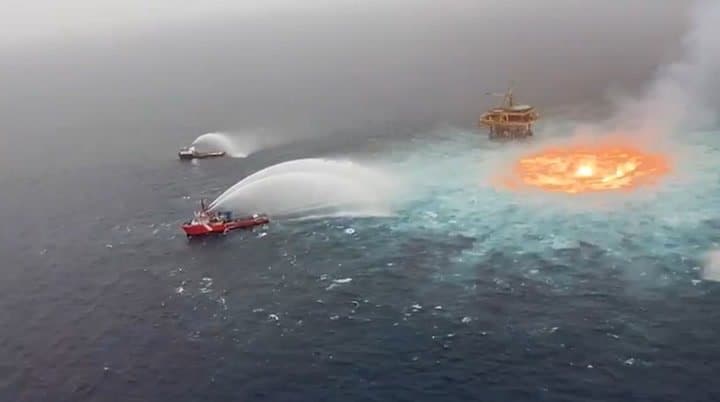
(222, 227)
(200, 155)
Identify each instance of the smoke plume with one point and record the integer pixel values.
(683, 94)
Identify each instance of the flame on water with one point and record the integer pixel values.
(582, 169)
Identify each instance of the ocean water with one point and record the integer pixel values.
(468, 292)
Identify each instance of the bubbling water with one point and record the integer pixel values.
(311, 188)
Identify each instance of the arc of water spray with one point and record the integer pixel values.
(305, 187)
(221, 142)
(237, 145)
(308, 165)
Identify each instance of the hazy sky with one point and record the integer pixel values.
(110, 72)
(34, 21)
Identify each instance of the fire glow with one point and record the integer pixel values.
(583, 169)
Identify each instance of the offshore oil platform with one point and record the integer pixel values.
(509, 121)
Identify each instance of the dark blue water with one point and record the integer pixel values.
(467, 294)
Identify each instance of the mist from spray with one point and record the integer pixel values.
(235, 145)
(311, 188)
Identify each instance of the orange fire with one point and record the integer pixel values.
(582, 169)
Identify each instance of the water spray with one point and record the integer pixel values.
(311, 187)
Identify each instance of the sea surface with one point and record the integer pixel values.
(468, 292)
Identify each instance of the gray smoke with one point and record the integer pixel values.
(683, 94)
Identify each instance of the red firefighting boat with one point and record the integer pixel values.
(206, 222)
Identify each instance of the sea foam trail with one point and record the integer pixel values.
(311, 187)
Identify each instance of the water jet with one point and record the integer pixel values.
(311, 187)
